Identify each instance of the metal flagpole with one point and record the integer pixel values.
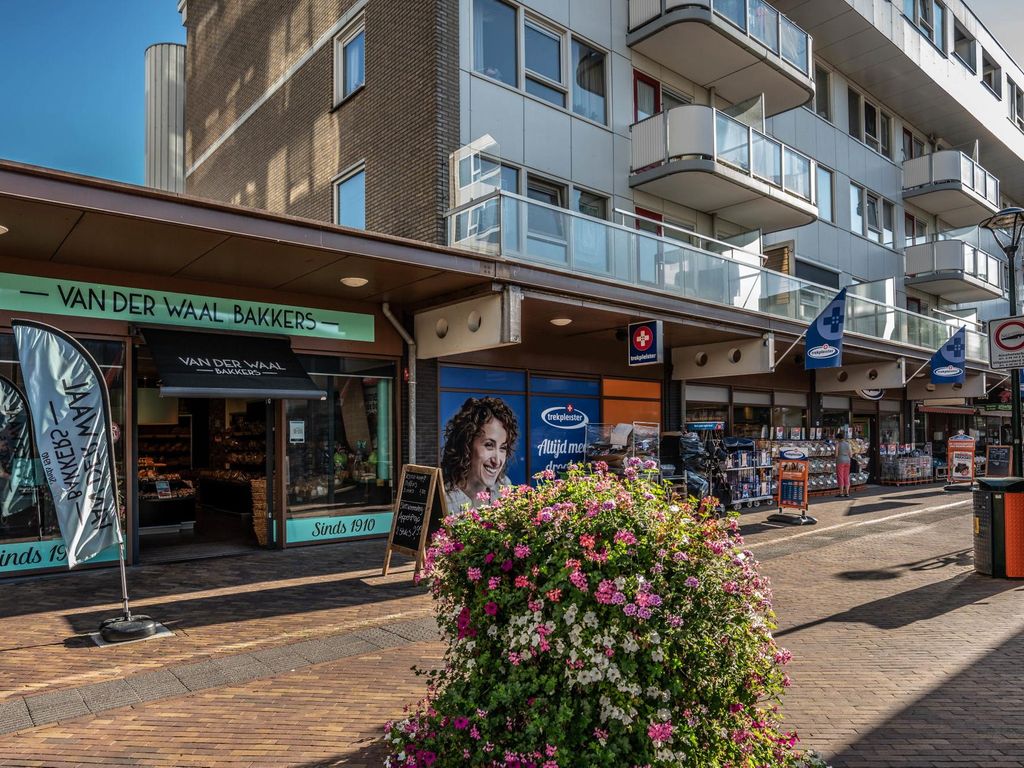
(788, 350)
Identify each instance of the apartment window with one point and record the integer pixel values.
(494, 40)
(912, 146)
(349, 62)
(929, 16)
(823, 92)
(820, 275)
(588, 76)
(544, 221)
(915, 231)
(646, 97)
(888, 224)
(544, 63)
(870, 124)
(914, 305)
(589, 204)
(823, 181)
(670, 100)
(856, 209)
(964, 47)
(351, 199)
(1016, 103)
(991, 75)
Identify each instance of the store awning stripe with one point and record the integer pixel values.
(220, 365)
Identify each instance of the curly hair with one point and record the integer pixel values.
(464, 427)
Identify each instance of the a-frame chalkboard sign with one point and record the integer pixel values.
(419, 511)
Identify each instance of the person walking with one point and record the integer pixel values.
(844, 454)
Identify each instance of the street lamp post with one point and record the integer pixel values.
(1007, 226)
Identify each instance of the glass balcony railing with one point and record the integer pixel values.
(951, 165)
(685, 132)
(755, 18)
(519, 229)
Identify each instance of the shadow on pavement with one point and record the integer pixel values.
(864, 509)
(960, 559)
(915, 605)
(102, 586)
(370, 755)
(971, 719)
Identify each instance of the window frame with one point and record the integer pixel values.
(642, 77)
(341, 41)
(971, 40)
(541, 79)
(926, 21)
(915, 142)
(819, 169)
(815, 106)
(1015, 103)
(568, 40)
(880, 141)
(996, 88)
(347, 175)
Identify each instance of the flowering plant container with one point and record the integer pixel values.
(594, 620)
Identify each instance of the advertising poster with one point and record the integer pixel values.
(480, 408)
(960, 453)
(560, 410)
(792, 480)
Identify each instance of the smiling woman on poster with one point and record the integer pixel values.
(478, 441)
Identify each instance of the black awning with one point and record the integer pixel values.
(221, 365)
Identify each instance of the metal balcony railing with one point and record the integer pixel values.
(519, 229)
(755, 18)
(694, 130)
(937, 256)
(950, 165)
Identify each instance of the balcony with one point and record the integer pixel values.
(952, 186)
(702, 158)
(702, 270)
(741, 48)
(954, 270)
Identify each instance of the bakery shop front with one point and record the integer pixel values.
(239, 423)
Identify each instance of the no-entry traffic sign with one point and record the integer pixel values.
(1006, 342)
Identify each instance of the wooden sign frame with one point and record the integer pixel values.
(1009, 467)
(435, 492)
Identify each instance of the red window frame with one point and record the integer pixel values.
(640, 77)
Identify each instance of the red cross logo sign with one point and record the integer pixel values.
(643, 338)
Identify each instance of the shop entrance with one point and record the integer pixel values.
(865, 427)
(204, 468)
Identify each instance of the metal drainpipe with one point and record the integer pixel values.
(411, 345)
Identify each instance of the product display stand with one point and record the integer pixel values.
(792, 489)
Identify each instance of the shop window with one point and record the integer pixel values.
(822, 92)
(588, 75)
(751, 421)
(349, 61)
(340, 453)
(494, 40)
(30, 537)
(350, 194)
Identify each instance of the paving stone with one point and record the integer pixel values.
(242, 667)
(14, 715)
(108, 695)
(156, 685)
(280, 659)
(419, 630)
(380, 638)
(202, 674)
(58, 705)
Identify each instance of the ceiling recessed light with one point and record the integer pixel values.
(354, 282)
(561, 321)
(3, 230)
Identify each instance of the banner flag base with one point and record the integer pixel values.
(791, 519)
(124, 628)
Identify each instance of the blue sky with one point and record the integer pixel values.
(71, 77)
(72, 81)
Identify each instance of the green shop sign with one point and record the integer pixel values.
(49, 553)
(23, 293)
(340, 527)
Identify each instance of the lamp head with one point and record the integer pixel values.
(1009, 222)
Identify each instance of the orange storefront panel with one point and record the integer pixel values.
(628, 411)
(643, 389)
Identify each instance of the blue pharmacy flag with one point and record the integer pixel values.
(949, 359)
(824, 342)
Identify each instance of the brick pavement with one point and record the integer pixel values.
(903, 656)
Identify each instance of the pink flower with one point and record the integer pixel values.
(554, 595)
(660, 732)
(522, 582)
(587, 541)
(489, 558)
(625, 537)
(461, 723)
(579, 580)
(474, 574)
(506, 566)
(521, 551)
(692, 581)
(494, 582)
(491, 608)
